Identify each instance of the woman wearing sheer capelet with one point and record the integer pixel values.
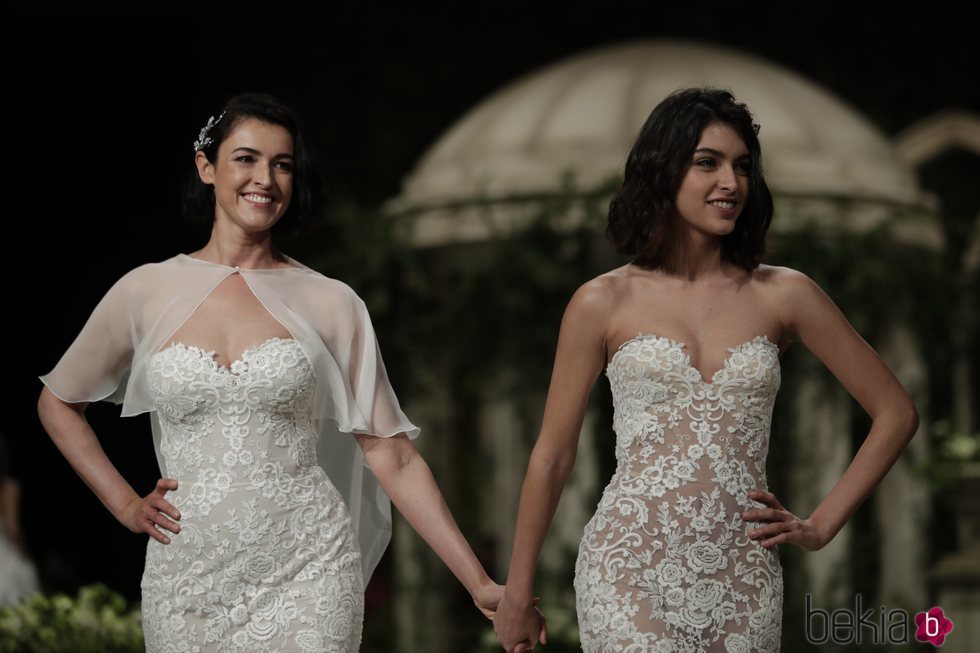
(254, 369)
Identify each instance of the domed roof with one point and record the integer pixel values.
(580, 116)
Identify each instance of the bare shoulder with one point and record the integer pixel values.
(597, 298)
(780, 277)
(798, 300)
(786, 285)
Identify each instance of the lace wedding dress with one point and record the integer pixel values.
(266, 558)
(281, 521)
(666, 563)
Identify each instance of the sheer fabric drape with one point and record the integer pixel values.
(109, 361)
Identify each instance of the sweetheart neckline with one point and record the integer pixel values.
(210, 354)
(764, 339)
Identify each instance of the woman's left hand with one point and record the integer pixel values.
(487, 597)
(780, 525)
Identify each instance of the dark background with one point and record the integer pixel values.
(103, 104)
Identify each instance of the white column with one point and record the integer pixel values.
(502, 431)
(510, 443)
(822, 452)
(902, 499)
(418, 573)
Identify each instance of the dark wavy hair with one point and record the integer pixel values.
(307, 200)
(642, 220)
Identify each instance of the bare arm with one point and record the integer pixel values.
(814, 320)
(66, 424)
(579, 359)
(408, 481)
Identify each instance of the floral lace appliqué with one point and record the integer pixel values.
(266, 559)
(666, 564)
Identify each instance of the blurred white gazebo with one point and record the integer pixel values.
(575, 121)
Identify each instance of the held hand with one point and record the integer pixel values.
(145, 514)
(528, 646)
(780, 525)
(487, 597)
(519, 628)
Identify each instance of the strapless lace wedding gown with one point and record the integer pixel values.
(666, 563)
(266, 559)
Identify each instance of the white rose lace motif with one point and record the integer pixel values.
(665, 564)
(266, 559)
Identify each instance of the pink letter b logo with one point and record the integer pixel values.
(933, 626)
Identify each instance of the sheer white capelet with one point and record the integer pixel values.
(109, 360)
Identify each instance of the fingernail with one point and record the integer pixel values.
(166, 540)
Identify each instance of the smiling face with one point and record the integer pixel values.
(715, 186)
(252, 176)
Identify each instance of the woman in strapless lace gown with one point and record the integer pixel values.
(261, 377)
(680, 555)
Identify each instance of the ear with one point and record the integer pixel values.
(205, 169)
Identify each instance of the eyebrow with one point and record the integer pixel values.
(720, 154)
(252, 150)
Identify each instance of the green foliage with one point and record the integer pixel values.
(879, 282)
(956, 455)
(96, 621)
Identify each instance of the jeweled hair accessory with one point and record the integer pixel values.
(203, 140)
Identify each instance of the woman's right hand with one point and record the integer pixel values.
(519, 625)
(146, 514)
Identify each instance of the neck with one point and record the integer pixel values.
(700, 257)
(236, 248)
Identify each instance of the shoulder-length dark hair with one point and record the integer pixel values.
(642, 212)
(307, 201)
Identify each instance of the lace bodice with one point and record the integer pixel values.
(666, 563)
(266, 559)
(134, 325)
(271, 383)
(663, 406)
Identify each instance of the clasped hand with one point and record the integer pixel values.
(146, 514)
(519, 626)
(780, 525)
